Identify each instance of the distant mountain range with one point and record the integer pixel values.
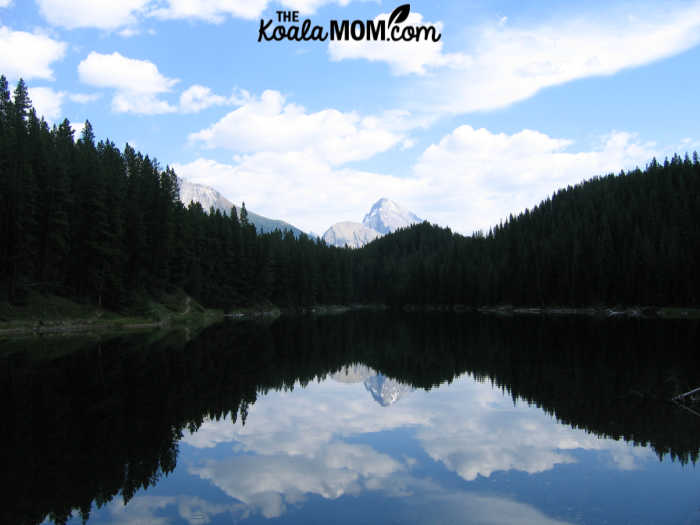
(208, 197)
(386, 216)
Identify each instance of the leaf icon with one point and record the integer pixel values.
(400, 14)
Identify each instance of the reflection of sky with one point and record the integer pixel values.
(460, 452)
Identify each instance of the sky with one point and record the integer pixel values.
(516, 100)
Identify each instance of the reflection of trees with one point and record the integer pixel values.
(105, 420)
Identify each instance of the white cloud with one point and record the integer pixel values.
(403, 57)
(196, 98)
(269, 124)
(128, 32)
(138, 83)
(216, 11)
(141, 104)
(122, 73)
(474, 178)
(78, 128)
(5, 3)
(509, 63)
(28, 55)
(102, 14)
(47, 102)
(469, 180)
(84, 98)
(297, 186)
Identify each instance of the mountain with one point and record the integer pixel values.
(386, 216)
(204, 195)
(208, 197)
(352, 234)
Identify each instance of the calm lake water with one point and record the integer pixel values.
(359, 418)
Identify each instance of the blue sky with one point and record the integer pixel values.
(516, 100)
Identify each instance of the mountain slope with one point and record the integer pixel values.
(386, 216)
(208, 197)
(352, 234)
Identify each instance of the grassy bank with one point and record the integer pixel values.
(50, 314)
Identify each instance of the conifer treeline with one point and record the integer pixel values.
(632, 238)
(86, 220)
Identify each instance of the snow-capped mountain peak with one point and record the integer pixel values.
(386, 216)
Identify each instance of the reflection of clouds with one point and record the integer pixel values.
(320, 412)
(157, 510)
(197, 511)
(490, 434)
(472, 428)
(140, 510)
(468, 426)
(384, 390)
(477, 431)
(268, 483)
(458, 507)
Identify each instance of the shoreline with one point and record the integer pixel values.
(110, 322)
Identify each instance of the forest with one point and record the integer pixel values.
(82, 219)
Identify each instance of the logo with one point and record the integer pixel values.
(393, 29)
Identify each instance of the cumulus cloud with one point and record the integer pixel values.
(402, 57)
(78, 128)
(216, 11)
(474, 178)
(128, 32)
(47, 102)
(471, 179)
(298, 186)
(122, 73)
(84, 98)
(138, 83)
(508, 63)
(197, 98)
(102, 14)
(269, 124)
(28, 55)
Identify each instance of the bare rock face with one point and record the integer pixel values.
(386, 216)
(352, 234)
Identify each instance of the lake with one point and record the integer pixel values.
(357, 418)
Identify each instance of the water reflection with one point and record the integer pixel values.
(283, 456)
(384, 390)
(489, 443)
